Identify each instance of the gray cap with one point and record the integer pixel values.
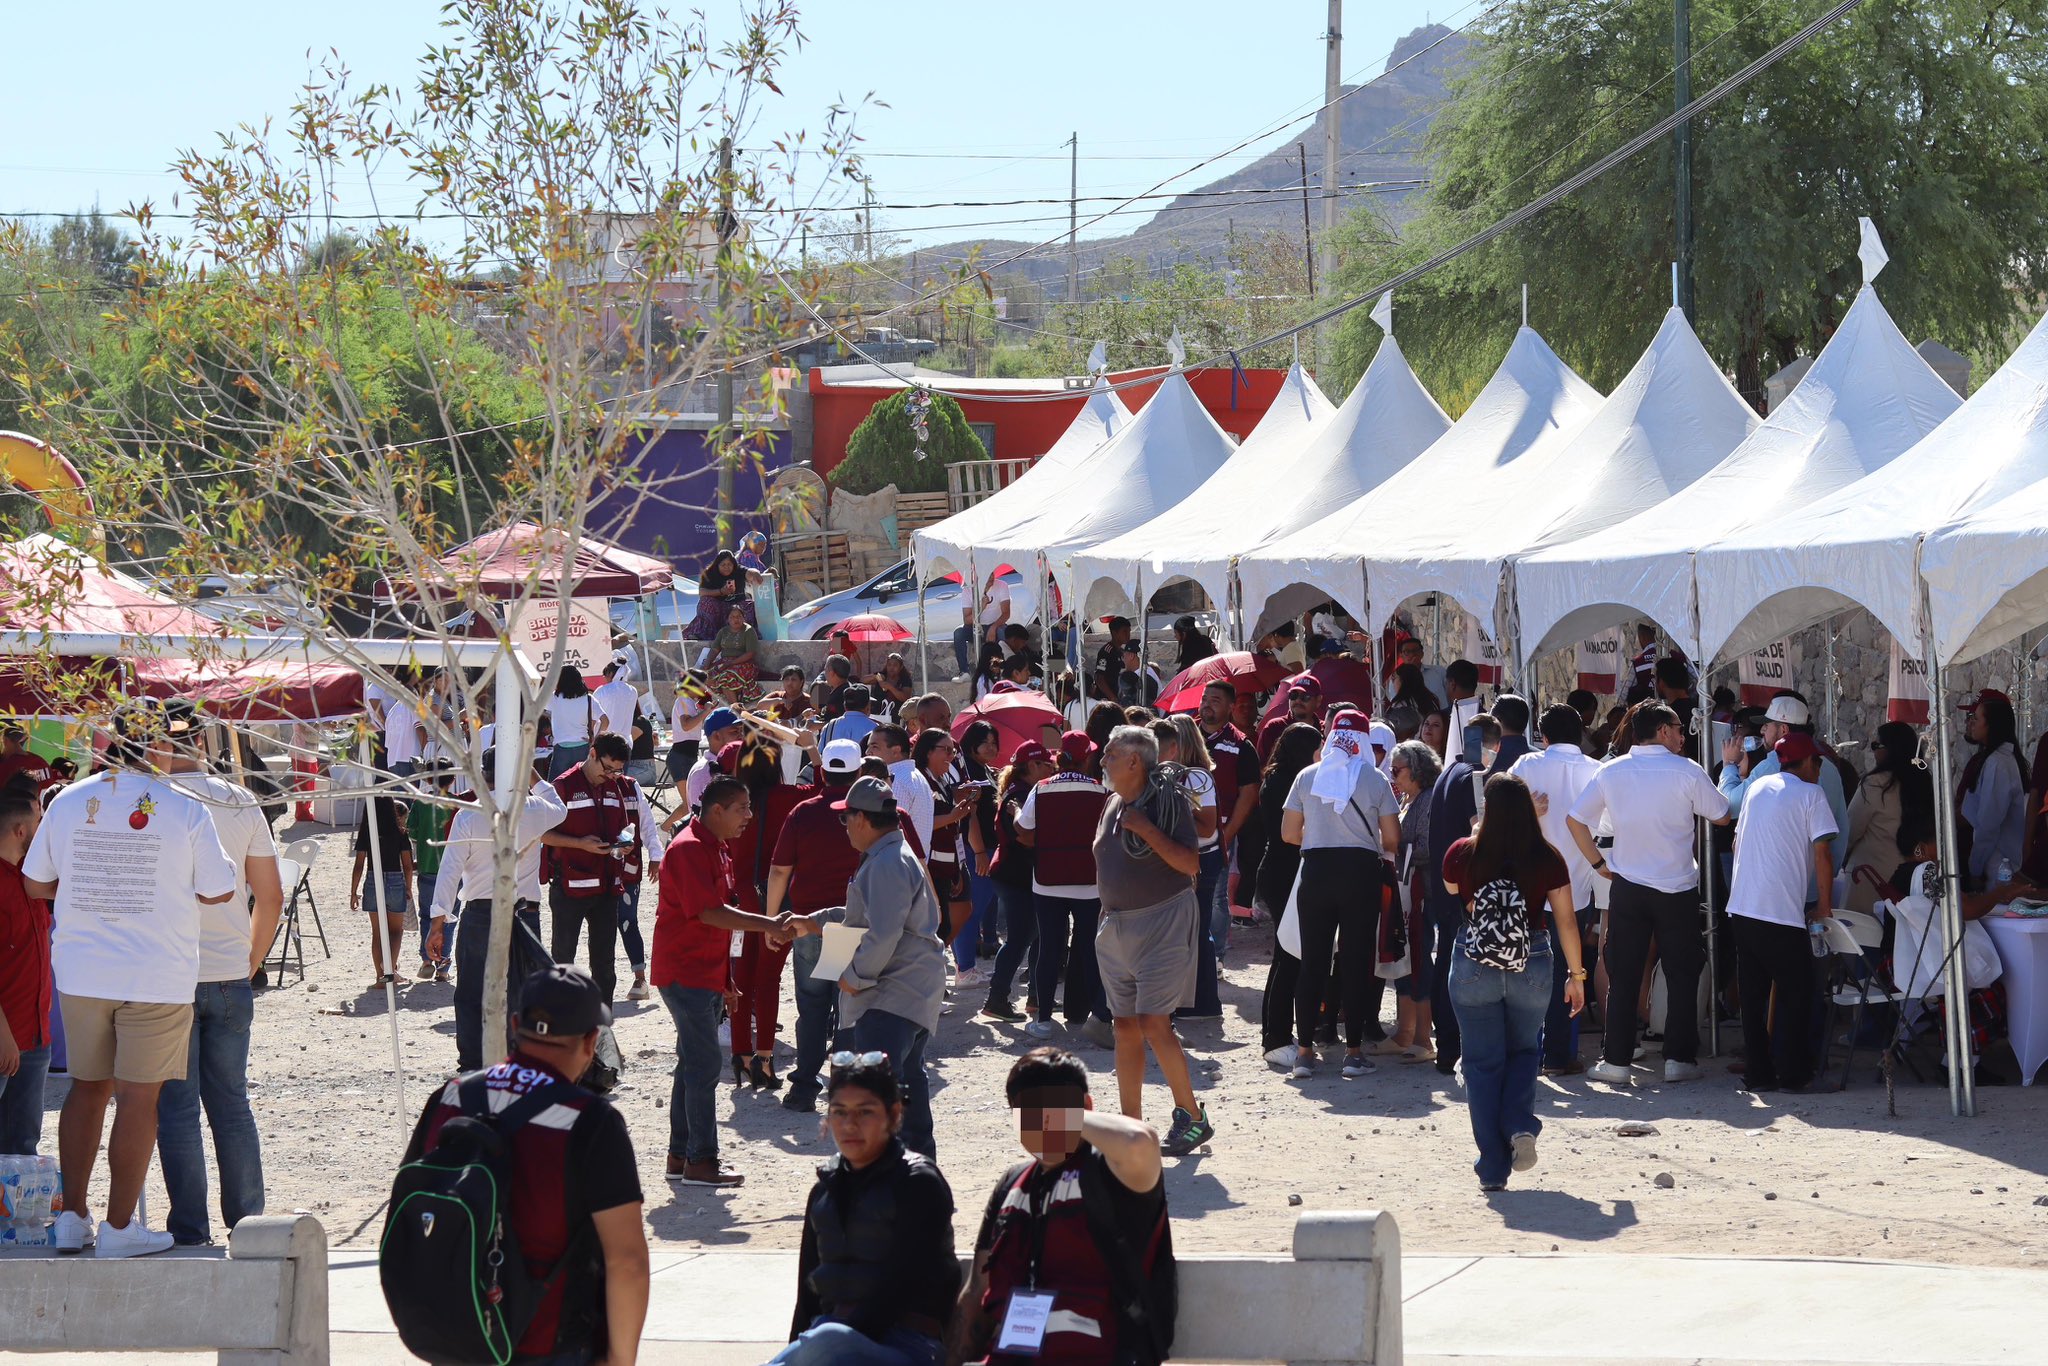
(868, 794)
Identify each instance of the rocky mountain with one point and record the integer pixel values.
(1380, 128)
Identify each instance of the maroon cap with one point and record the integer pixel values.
(728, 757)
(1031, 752)
(1972, 700)
(1308, 683)
(1795, 748)
(1077, 746)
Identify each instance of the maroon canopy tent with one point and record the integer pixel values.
(524, 556)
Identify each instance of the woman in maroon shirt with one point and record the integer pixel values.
(1501, 1008)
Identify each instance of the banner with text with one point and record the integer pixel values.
(1598, 662)
(1765, 672)
(1482, 651)
(1908, 688)
(586, 639)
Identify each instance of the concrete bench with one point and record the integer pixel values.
(265, 1302)
(1337, 1299)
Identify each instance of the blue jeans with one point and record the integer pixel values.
(425, 883)
(981, 894)
(21, 1103)
(1066, 942)
(1217, 905)
(963, 648)
(562, 758)
(827, 1343)
(1500, 1016)
(878, 1031)
(1020, 936)
(629, 929)
(217, 1077)
(817, 1016)
(693, 1098)
(1207, 883)
(472, 944)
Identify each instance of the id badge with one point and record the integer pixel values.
(1023, 1329)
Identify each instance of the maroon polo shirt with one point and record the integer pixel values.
(25, 983)
(821, 859)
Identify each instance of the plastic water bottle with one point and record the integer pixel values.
(1817, 938)
(13, 1200)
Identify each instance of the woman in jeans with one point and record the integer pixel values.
(1010, 874)
(1500, 1013)
(1343, 813)
(1292, 752)
(1191, 752)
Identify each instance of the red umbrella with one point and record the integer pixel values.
(1017, 716)
(1243, 670)
(1344, 679)
(872, 626)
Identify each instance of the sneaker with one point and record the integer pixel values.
(1637, 1056)
(1098, 1032)
(1002, 1011)
(1356, 1066)
(425, 972)
(71, 1233)
(708, 1173)
(1614, 1074)
(638, 991)
(1525, 1151)
(1187, 1132)
(803, 1100)
(970, 977)
(1304, 1064)
(136, 1240)
(1282, 1057)
(1682, 1071)
(1039, 1029)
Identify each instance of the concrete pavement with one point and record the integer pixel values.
(733, 1309)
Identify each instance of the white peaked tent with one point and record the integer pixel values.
(1385, 424)
(1168, 450)
(1858, 547)
(949, 545)
(1865, 399)
(1234, 510)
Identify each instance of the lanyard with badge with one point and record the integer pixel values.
(1030, 1309)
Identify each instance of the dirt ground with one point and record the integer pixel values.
(1827, 1175)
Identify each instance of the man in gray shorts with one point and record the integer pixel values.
(1146, 859)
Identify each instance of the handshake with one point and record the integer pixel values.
(790, 927)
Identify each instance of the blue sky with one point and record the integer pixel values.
(112, 91)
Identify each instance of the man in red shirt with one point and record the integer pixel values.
(691, 966)
(1304, 703)
(17, 758)
(25, 984)
(809, 869)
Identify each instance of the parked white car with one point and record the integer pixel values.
(893, 593)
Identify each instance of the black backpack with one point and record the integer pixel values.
(454, 1280)
(1497, 935)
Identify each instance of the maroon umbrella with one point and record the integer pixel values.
(1243, 670)
(1017, 716)
(1343, 678)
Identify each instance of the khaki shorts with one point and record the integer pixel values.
(139, 1041)
(1147, 957)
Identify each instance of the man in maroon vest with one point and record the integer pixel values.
(1058, 821)
(574, 1180)
(1075, 1246)
(586, 883)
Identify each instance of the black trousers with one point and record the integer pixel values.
(1445, 919)
(1636, 915)
(601, 913)
(1770, 957)
(1276, 1008)
(1339, 907)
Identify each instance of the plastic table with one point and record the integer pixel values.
(2022, 946)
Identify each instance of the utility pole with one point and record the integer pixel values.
(1681, 149)
(1308, 252)
(868, 219)
(1333, 77)
(728, 449)
(1073, 220)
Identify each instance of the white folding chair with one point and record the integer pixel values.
(1850, 935)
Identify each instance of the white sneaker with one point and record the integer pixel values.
(1356, 1067)
(1039, 1029)
(1614, 1074)
(638, 992)
(1682, 1071)
(1282, 1057)
(71, 1233)
(1525, 1151)
(972, 977)
(136, 1240)
(1304, 1065)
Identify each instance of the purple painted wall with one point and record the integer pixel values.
(678, 485)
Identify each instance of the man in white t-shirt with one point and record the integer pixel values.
(231, 947)
(397, 713)
(1781, 849)
(615, 701)
(129, 860)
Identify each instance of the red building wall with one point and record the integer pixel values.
(1235, 400)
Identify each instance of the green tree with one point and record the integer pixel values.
(1927, 118)
(883, 449)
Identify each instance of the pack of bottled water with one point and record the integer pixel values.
(28, 1187)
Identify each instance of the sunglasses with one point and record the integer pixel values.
(842, 1061)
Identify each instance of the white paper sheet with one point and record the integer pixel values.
(837, 953)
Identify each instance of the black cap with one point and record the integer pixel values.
(561, 1002)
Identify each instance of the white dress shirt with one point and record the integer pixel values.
(1559, 774)
(914, 795)
(1651, 797)
(466, 872)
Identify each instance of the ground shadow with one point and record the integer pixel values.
(1561, 1215)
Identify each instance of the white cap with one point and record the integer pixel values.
(842, 756)
(1789, 710)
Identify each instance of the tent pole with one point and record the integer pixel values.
(1961, 1084)
(1827, 681)
(383, 922)
(1144, 641)
(924, 646)
(1702, 718)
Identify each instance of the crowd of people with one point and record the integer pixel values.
(1507, 874)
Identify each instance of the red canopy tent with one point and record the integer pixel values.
(523, 556)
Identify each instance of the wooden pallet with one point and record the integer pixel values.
(819, 557)
(916, 511)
